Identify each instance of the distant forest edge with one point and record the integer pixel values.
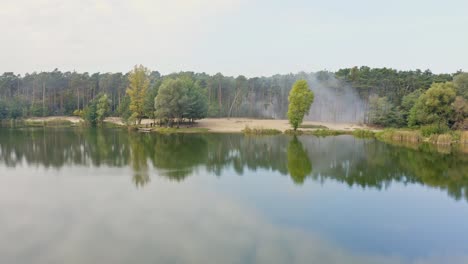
(375, 96)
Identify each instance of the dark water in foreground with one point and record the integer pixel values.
(109, 196)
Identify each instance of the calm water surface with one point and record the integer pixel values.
(110, 196)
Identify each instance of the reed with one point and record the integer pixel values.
(326, 132)
(464, 137)
(260, 131)
(444, 139)
(363, 133)
(400, 136)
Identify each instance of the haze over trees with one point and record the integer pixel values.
(376, 96)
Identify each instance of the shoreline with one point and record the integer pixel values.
(264, 127)
(224, 125)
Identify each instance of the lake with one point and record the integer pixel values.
(77, 195)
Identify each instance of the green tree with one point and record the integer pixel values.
(197, 107)
(299, 165)
(461, 84)
(434, 106)
(90, 113)
(138, 86)
(460, 117)
(300, 99)
(97, 110)
(408, 102)
(172, 99)
(103, 107)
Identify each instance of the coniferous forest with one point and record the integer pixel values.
(376, 96)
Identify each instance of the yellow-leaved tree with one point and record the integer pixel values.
(138, 86)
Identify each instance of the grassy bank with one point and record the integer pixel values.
(260, 131)
(48, 123)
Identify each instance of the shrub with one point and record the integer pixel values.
(78, 113)
(429, 130)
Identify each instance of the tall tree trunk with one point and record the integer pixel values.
(77, 98)
(43, 98)
(233, 102)
(219, 97)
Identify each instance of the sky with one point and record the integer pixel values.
(234, 37)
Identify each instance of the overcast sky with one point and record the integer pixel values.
(249, 37)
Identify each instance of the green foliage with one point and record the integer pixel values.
(78, 113)
(460, 113)
(15, 108)
(362, 133)
(124, 110)
(434, 106)
(461, 83)
(103, 107)
(213, 110)
(60, 93)
(382, 112)
(180, 98)
(197, 107)
(97, 110)
(138, 86)
(300, 99)
(172, 100)
(149, 109)
(299, 165)
(3, 110)
(432, 129)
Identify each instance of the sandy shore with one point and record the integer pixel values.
(238, 124)
(225, 125)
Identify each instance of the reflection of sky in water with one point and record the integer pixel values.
(97, 215)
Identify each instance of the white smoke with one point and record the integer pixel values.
(334, 100)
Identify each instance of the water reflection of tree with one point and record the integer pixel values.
(176, 156)
(139, 159)
(355, 162)
(299, 164)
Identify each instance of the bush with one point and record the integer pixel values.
(78, 113)
(433, 129)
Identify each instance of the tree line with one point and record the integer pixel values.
(380, 96)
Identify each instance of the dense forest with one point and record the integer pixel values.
(378, 96)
